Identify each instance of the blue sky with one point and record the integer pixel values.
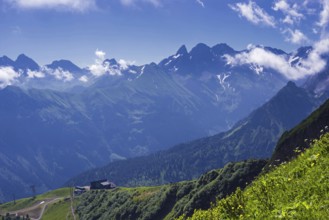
(149, 30)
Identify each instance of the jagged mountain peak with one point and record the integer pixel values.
(221, 49)
(182, 50)
(291, 84)
(275, 51)
(65, 65)
(22, 56)
(150, 67)
(6, 61)
(111, 62)
(289, 89)
(24, 62)
(304, 50)
(200, 48)
(201, 52)
(302, 53)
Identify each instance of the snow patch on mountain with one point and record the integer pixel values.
(221, 78)
(258, 69)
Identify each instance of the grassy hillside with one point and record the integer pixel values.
(159, 202)
(295, 190)
(56, 205)
(168, 201)
(59, 210)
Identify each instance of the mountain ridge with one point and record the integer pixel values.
(126, 112)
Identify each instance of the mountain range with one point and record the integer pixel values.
(59, 119)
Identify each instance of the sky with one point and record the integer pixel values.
(144, 31)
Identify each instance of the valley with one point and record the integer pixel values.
(239, 190)
(51, 134)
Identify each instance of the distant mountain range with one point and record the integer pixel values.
(59, 119)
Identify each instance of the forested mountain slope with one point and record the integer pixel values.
(253, 137)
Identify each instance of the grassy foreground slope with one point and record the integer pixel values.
(171, 200)
(295, 190)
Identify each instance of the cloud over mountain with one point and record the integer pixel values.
(99, 68)
(7, 76)
(313, 64)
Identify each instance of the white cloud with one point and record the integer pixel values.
(324, 15)
(291, 13)
(35, 74)
(253, 13)
(100, 54)
(124, 64)
(58, 73)
(281, 5)
(7, 76)
(321, 47)
(288, 20)
(101, 67)
(155, 3)
(84, 79)
(77, 5)
(61, 74)
(295, 36)
(201, 3)
(259, 56)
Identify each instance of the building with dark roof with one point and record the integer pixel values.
(102, 184)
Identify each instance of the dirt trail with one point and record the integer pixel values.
(72, 207)
(36, 211)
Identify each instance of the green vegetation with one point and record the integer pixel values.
(59, 210)
(171, 200)
(62, 192)
(19, 204)
(295, 190)
(57, 201)
(28, 202)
